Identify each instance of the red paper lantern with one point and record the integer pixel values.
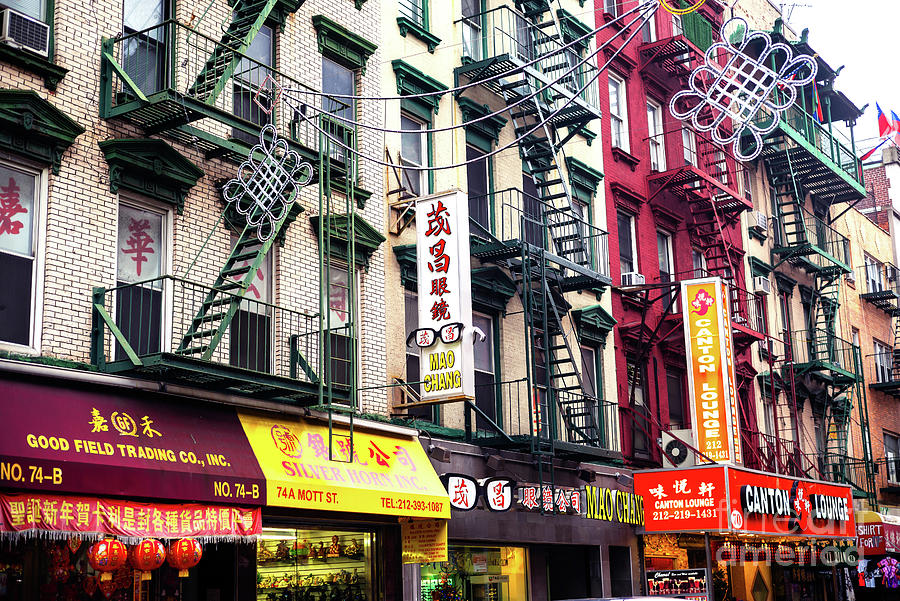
(185, 554)
(107, 556)
(148, 555)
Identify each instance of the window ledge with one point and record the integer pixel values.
(755, 232)
(626, 157)
(407, 25)
(609, 18)
(50, 71)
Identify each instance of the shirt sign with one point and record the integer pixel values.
(445, 297)
(710, 355)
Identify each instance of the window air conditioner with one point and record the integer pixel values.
(632, 278)
(762, 285)
(22, 31)
(676, 452)
(758, 221)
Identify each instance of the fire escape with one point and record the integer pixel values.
(805, 157)
(542, 238)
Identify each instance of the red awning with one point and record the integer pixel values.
(138, 446)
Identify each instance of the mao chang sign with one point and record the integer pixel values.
(710, 357)
(729, 499)
(445, 334)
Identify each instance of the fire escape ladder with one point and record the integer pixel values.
(248, 18)
(895, 355)
(822, 330)
(213, 318)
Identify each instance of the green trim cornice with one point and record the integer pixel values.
(407, 25)
(572, 29)
(50, 71)
(411, 81)
(150, 167)
(406, 258)
(342, 45)
(491, 289)
(594, 323)
(489, 128)
(367, 238)
(582, 175)
(758, 266)
(32, 127)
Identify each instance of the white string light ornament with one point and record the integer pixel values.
(727, 101)
(265, 189)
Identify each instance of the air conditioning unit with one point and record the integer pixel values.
(762, 285)
(850, 276)
(22, 31)
(632, 278)
(675, 452)
(758, 221)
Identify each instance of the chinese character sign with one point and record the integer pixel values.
(445, 299)
(17, 192)
(139, 245)
(713, 400)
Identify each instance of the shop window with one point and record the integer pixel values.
(618, 113)
(413, 149)
(141, 259)
(667, 266)
(144, 51)
(250, 333)
(620, 571)
(20, 192)
(477, 574)
(627, 248)
(485, 372)
(892, 456)
(330, 564)
(341, 364)
(477, 183)
(656, 136)
(248, 77)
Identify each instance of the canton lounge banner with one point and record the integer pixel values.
(711, 380)
(445, 334)
(723, 498)
(39, 513)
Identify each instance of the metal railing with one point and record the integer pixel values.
(778, 455)
(878, 279)
(414, 10)
(847, 470)
(829, 141)
(748, 309)
(153, 317)
(173, 63)
(820, 346)
(504, 32)
(831, 247)
(883, 368)
(527, 218)
(520, 410)
(887, 474)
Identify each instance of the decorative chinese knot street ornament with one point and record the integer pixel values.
(185, 554)
(107, 556)
(148, 555)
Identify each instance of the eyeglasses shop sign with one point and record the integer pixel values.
(445, 295)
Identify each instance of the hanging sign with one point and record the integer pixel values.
(424, 541)
(35, 513)
(711, 379)
(463, 490)
(445, 333)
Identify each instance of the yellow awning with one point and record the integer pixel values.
(386, 475)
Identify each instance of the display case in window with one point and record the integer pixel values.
(311, 564)
(476, 574)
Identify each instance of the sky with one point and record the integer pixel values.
(862, 35)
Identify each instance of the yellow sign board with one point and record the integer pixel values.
(424, 541)
(365, 473)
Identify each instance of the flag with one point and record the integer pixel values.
(818, 115)
(895, 127)
(884, 126)
(871, 152)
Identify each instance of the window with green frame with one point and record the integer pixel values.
(43, 11)
(416, 114)
(413, 19)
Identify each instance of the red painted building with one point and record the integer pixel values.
(674, 202)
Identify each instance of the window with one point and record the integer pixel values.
(698, 263)
(477, 184)
(666, 264)
(874, 274)
(656, 137)
(531, 207)
(627, 250)
(892, 456)
(648, 29)
(414, 10)
(720, 167)
(677, 26)
(413, 147)
(471, 28)
(612, 7)
(143, 55)
(618, 113)
(675, 392)
(496, 573)
(249, 75)
(250, 333)
(689, 144)
(413, 373)
(140, 261)
(883, 356)
(746, 183)
(589, 372)
(32, 8)
(20, 193)
(342, 344)
(485, 380)
(637, 400)
(340, 81)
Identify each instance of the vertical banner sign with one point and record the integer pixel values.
(713, 396)
(445, 335)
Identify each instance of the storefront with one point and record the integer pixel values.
(742, 534)
(269, 507)
(511, 540)
(878, 572)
